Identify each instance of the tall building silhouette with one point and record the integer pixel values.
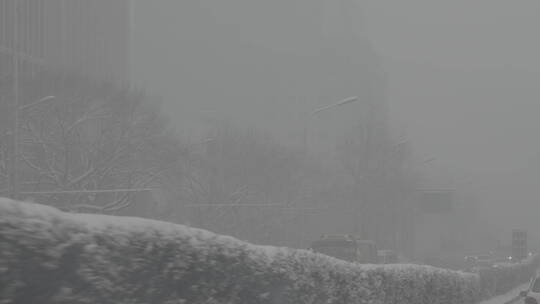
(90, 37)
(86, 37)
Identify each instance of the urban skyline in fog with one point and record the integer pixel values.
(460, 79)
(454, 82)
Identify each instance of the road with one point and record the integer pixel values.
(509, 298)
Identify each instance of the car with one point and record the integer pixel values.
(485, 261)
(532, 294)
(482, 261)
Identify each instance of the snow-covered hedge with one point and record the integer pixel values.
(47, 256)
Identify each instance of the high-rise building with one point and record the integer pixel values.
(86, 36)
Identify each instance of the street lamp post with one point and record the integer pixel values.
(13, 174)
(398, 209)
(410, 230)
(321, 109)
(18, 57)
(312, 114)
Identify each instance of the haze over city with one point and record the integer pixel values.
(460, 79)
(279, 151)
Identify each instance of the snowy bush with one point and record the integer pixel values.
(47, 256)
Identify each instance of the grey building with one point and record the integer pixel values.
(86, 36)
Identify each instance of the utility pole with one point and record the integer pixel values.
(15, 105)
(19, 60)
(13, 177)
(305, 143)
(363, 177)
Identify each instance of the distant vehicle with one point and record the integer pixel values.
(387, 257)
(532, 294)
(503, 260)
(346, 247)
(485, 261)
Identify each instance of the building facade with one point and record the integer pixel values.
(88, 37)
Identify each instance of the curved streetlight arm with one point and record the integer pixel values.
(337, 104)
(324, 108)
(44, 99)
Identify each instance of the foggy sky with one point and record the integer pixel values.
(461, 77)
(243, 62)
(464, 78)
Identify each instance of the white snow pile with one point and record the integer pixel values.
(48, 256)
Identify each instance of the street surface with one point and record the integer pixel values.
(509, 298)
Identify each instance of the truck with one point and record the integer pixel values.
(346, 247)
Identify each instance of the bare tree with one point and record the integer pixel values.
(241, 180)
(90, 146)
(377, 164)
